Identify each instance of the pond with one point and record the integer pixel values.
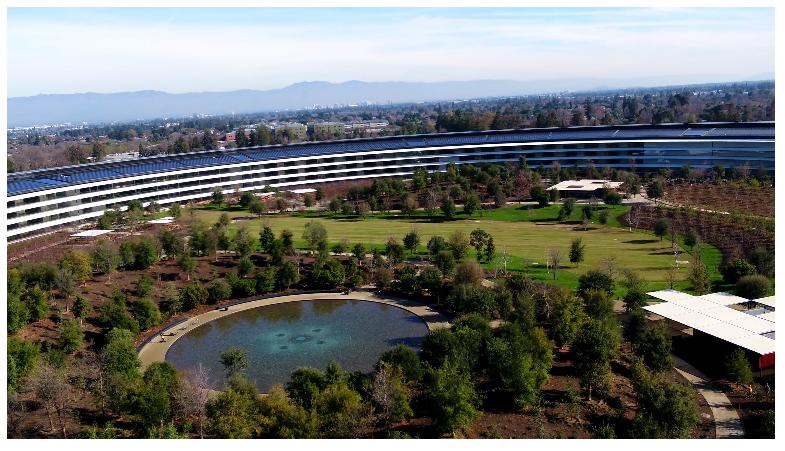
(283, 337)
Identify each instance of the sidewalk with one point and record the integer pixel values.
(726, 420)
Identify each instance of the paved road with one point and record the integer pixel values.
(155, 349)
(726, 420)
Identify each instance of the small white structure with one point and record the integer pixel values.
(584, 185)
(164, 220)
(302, 191)
(90, 233)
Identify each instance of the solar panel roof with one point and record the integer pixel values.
(22, 182)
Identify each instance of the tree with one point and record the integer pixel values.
(737, 367)
(22, 358)
(394, 251)
(406, 360)
(358, 252)
(187, 264)
(654, 347)
(146, 313)
(754, 286)
(36, 301)
(468, 272)
(390, 394)
(451, 397)
(539, 194)
(383, 278)
(568, 320)
(661, 227)
(471, 204)
(458, 242)
(70, 336)
(554, 260)
(175, 210)
(120, 362)
(105, 258)
(567, 207)
(594, 349)
(258, 207)
(735, 270)
(577, 249)
(411, 240)
(235, 412)
(217, 198)
(78, 263)
(243, 242)
(218, 291)
(315, 234)
(152, 400)
(81, 308)
(114, 315)
(193, 295)
(287, 241)
(636, 294)
(145, 253)
(266, 238)
(192, 395)
(244, 266)
(409, 205)
(691, 238)
(665, 410)
(699, 277)
(287, 275)
(448, 207)
(596, 280)
(286, 419)
(50, 387)
(656, 189)
(234, 360)
(521, 361)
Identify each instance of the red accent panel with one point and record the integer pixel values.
(766, 361)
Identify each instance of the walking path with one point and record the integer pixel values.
(155, 349)
(726, 420)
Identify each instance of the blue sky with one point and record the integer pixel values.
(64, 50)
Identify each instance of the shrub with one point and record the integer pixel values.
(193, 295)
(595, 279)
(146, 313)
(218, 291)
(754, 286)
(70, 336)
(735, 270)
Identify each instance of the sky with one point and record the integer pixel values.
(68, 50)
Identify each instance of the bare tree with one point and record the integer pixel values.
(672, 276)
(610, 263)
(383, 393)
(51, 388)
(555, 257)
(16, 410)
(192, 395)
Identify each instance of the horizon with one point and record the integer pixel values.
(191, 50)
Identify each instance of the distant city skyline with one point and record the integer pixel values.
(62, 50)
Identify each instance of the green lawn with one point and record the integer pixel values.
(526, 234)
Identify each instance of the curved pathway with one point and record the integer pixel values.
(726, 420)
(155, 349)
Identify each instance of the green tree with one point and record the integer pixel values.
(235, 412)
(22, 358)
(36, 301)
(458, 242)
(448, 207)
(70, 336)
(661, 227)
(699, 277)
(114, 315)
(654, 347)
(735, 270)
(595, 279)
(105, 258)
(577, 251)
(656, 189)
(119, 355)
(407, 360)
(217, 197)
(394, 251)
(665, 410)
(243, 242)
(452, 398)
(234, 360)
(152, 400)
(521, 361)
(315, 234)
(594, 349)
(187, 264)
(257, 207)
(737, 367)
(145, 253)
(146, 313)
(471, 204)
(193, 295)
(81, 308)
(218, 291)
(175, 210)
(635, 296)
(411, 241)
(286, 419)
(753, 286)
(266, 238)
(78, 263)
(568, 320)
(287, 275)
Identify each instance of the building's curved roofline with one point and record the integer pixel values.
(46, 178)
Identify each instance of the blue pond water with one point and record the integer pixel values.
(281, 338)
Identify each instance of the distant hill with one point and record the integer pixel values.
(48, 109)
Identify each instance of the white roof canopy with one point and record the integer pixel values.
(710, 314)
(767, 301)
(90, 233)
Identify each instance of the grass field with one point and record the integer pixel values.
(525, 234)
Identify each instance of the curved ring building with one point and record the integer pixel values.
(49, 198)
